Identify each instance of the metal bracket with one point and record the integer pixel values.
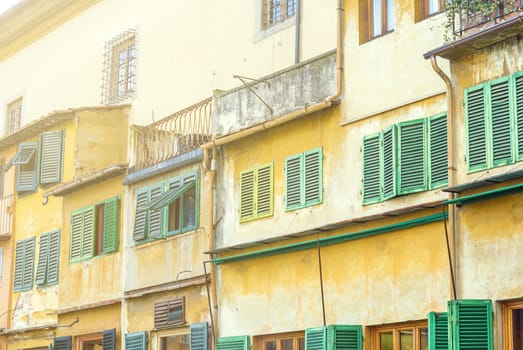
(249, 86)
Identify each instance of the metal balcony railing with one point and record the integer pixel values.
(169, 137)
(6, 216)
(465, 15)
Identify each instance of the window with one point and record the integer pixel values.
(94, 230)
(119, 79)
(256, 193)
(169, 313)
(167, 208)
(405, 158)
(494, 119)
(105, 340)
(379, 18)
(427, 8)
(194, 338)
(513, 325)
(24, 264)
(285, 341)
(277, 11)
(407, 336)
(48, 259)
(14, 116)
(136, 341)
(303, 179)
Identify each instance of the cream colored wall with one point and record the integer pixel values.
(180, 44)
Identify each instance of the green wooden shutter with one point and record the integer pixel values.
(43, 260)
(293, 182)
(111, 219)
(518, 111)
(109, 339)
(264, 191)
(140, 220)
(75, 249)
(26, 174)
(247, 193)
(438, 150)
(476, 128)
(438, 331)
(155, 215)
(313, 186)
(136, 341)
(54, 258)
(198, 336)
(233, 343)
(471, 324)
(344, 337)
(371, 169)
(19, 266)
(51, 157)
(29, 263)
(316, 338)
(62, 343)
(388, 165)
(88, 232)
(501, 128)
(412, 161)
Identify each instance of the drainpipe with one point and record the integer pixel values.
(297, 32)
(451, 169)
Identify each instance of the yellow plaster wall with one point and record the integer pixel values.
(99, 278)
(31, 340)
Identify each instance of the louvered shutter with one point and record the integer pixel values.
(198, 336)
(161, 314)
(43, 260)
(518, 106)
(342, 337)
(140, 220)
(264, 190)
(109, 339)
(88, 232)
(412, 161)
(316, 338)
(136, 341)
(438, 150)
(438, 331)
(19, 266)
(234, 343)
(26, 171)
(500, 111)
(75, 251)
(293, 182)
(62, 343)
(247, 193)
(471, 324)
(29, 263)
(111, 218)
(51, 157)
(476, 128)
(155, 215)
(54, 258)
(371, 169)
(313, 186)
(388, 165)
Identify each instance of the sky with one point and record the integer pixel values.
(5, 4)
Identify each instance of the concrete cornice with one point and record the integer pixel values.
(29, 20)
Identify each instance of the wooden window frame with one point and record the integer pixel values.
(268, 5)
(172, 332)
(14, 115)
(81, 339)
(507, 309)
(368, 19)
(415, 326)
(161, 313)
(422, 8)
(260, 341)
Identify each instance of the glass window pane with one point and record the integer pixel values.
(189, 207)
(424, 339)
(287, 344)
(174, 216)
(376, 17)
(386, 340)
(406, 339)
(269, 345)
(301, 344)
(390, 15)
(433, 6)
(175, 342)
(517, 329)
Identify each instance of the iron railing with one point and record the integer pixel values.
(465, 15)
(169, 137)
(6, 216)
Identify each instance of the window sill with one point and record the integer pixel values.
(367, 40)
(263, 33)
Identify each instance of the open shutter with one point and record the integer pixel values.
(26, 161)
(140, 220)
(313, 186)
(438, 331)
(518, 106)
(476, 128)
(388, 165)
(62, 343)
(75, 251)
(19, 265)
(29, 263)
(43, 260)
(264, 191)
(342, 337)
(247, 192)
(471, 324)
(111, 217)
(371, 169)
(412, 162)
(233, 343)
(88, 233)
(316, 338)
(51, 157)
(293, 181)
(155, 215)
(501, 122)
(136, 341)
(54, 257)
(438, 149)
(198, 336)
(109, 339)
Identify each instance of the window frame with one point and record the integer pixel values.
(507, 309)
(260, 340)
(369, 19)
(14, 115)
(181, 211)
(267, 12)
(396, 328)
(423, 9)
(161, 313)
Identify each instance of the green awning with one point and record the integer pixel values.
(503, 191)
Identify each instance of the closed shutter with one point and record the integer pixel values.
(371, 169)
(247, 195)
(51, 157)
(518, 103)
(54, 258)
(19, 265)
(43, 260)
(438, 148)
(155, 215)
(316, 338)
(161, 314)
(471, 324)
(438, 331)
(111, 231)
(388, 165)
(341, 337)
(198, 336)
(88, 233)
(136, 341)
(140, 220)
(75, 251)
(476, 128)
(501, 122)
(29, 263)
(293, 182)
(233, 343)
(62, 343)
(313, 186)
(264, 190)
(412, 162)
(109, 339)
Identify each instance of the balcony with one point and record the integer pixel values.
(6, 217)
(172, 136)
